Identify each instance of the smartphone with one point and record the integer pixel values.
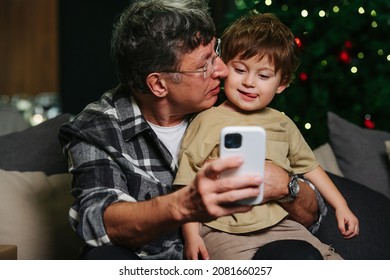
(248, 142)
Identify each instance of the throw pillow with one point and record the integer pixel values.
(34, 215)
(34, 149)
(325, 156)
(360, 153)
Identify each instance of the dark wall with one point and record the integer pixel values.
(86, 69)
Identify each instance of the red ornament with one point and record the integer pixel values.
(344, 56)
(348, 44)
(303, 76)
(299, 42)
(368, 122)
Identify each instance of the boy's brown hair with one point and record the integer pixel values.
(262, 35)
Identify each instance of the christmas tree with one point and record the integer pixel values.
(344, 66)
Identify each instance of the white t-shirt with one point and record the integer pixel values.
(171, 136)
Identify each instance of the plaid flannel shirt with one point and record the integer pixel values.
(114, 155)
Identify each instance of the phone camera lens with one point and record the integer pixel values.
(233, 140)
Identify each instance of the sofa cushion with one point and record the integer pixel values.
(34, 149)
(34, 215)
(373, 211)
(361, 153)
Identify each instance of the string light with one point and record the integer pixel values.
(307, 126)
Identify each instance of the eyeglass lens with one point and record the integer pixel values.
(210, 65)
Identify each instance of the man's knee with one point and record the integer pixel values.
(288, 250)
(108, 253)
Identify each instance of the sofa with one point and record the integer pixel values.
(35, 192)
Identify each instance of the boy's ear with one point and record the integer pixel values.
(156, 84)
(281, 88)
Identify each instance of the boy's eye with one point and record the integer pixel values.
(239, 70)
(263, 76)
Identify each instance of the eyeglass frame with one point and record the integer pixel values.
(210, 62)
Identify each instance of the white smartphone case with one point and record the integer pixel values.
(251, 149)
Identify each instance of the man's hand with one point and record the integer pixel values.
(209, 196)
(304, 209)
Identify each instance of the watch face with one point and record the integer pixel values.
(294, 187)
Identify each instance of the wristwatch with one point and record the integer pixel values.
(293, 190)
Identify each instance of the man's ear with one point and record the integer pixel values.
(157, 84)
(281, 88)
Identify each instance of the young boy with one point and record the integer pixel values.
(261, 55)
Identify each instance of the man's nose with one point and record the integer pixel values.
(220, 69)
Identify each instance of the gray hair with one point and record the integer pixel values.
(153, 35)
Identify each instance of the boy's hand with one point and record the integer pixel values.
(348, 223)
(196, 250)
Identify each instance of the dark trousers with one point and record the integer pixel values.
(107, 253)
(277, 250)
(288, 250)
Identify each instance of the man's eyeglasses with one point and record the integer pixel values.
(208, 69)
